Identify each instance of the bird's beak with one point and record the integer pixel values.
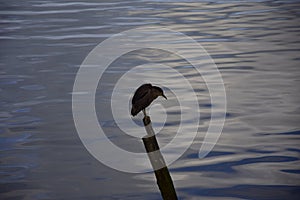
(164, 96)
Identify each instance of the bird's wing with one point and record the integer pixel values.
(141, 92)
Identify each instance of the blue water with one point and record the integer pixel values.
(255, 45)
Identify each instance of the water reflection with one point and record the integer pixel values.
(255, 45)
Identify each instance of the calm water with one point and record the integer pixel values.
(255, 44)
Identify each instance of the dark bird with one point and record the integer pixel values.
(144, 96)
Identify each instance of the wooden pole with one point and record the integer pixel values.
(164, 180)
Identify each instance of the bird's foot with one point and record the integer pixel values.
(146, 120)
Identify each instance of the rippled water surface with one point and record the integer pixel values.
(255, 45)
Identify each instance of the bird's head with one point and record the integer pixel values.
(158, 91)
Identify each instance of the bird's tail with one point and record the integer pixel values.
(134, 111)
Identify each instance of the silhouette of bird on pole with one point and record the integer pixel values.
(144, 96)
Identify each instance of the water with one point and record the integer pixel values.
(255, 44)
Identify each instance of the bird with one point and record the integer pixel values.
(144, 96)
